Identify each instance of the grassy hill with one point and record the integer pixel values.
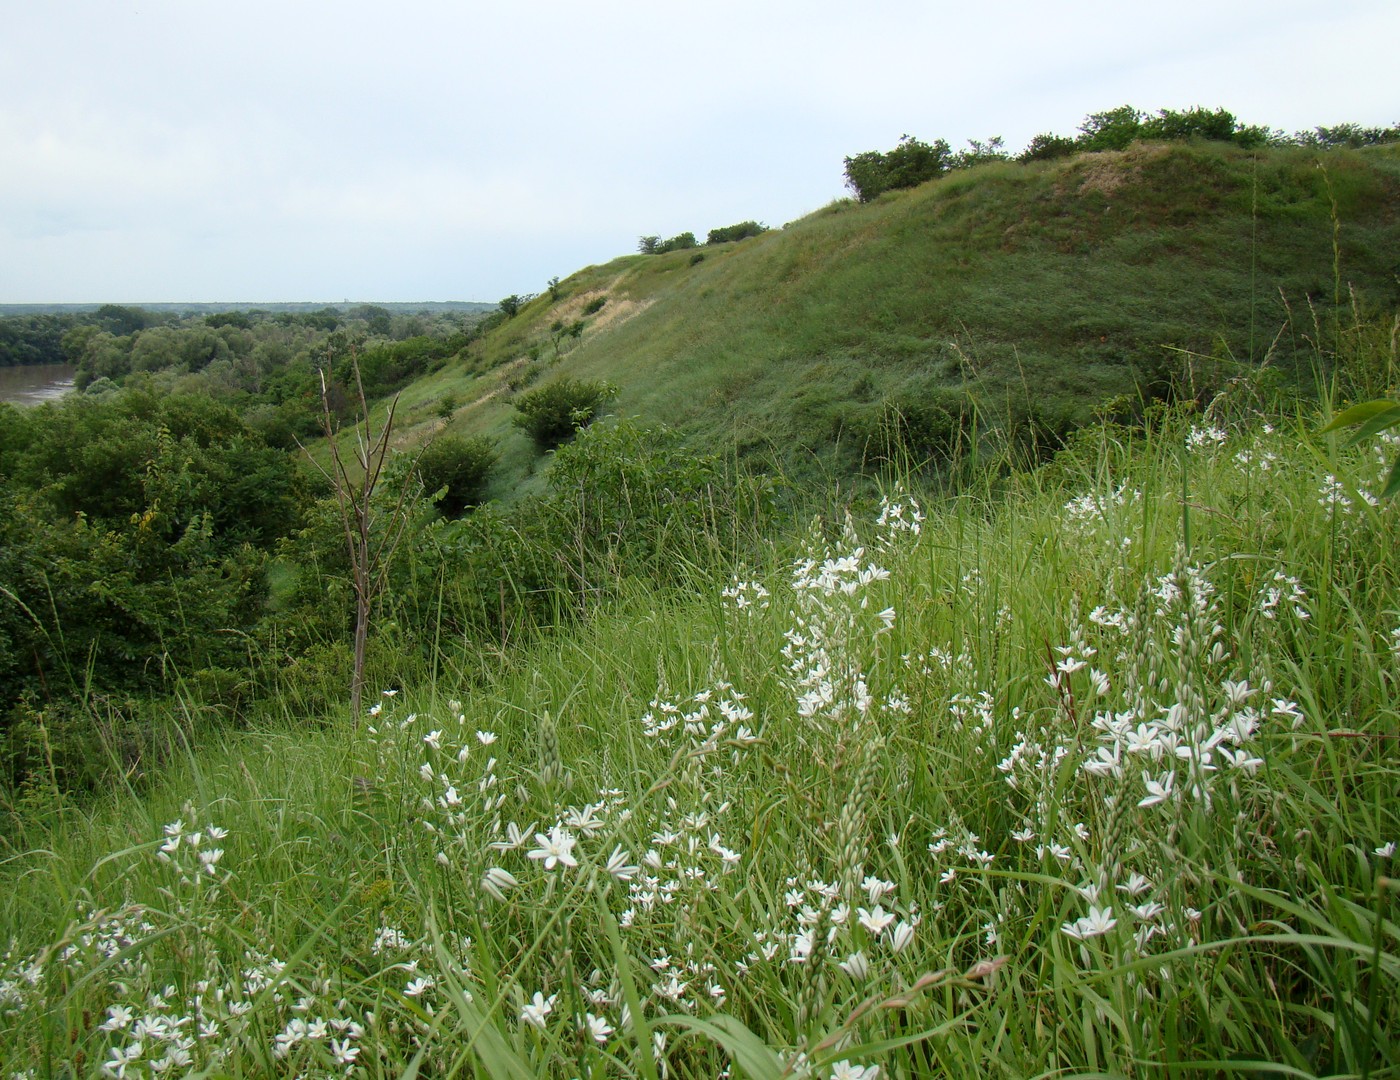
(1033, 294)
(1085, 770)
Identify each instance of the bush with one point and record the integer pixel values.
(456, 469)
(595, 305)
(741, 231)
(654, 245)
(1047, 147)
(551, 414)
(909, 164)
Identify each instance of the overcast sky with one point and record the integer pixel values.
(297, 150)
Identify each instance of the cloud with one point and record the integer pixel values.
(192, 147)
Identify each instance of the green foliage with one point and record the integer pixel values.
(909, 164)
(554, 412)
(730, 233)
(454, 470)
(654, 245)
(642, 502)
(1047, 147)
(1372, 418)
(979, 153)
(1118, 128)
(595, 305)
(33, 339)
(1113, 129)
(933, 427)
(388, 367)
(134, 536)
(1349, 135)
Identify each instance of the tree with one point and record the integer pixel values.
(1047, 147)
(909, 164)
(1114, 129)
(369, 544)
(979, 153)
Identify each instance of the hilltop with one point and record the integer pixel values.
(1029, 294)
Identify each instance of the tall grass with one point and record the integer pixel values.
(1093, 774)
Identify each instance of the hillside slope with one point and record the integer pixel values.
(1032, 293)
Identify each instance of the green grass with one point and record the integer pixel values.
(1062, 284)
(1219, 591)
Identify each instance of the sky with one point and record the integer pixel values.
(297, 150)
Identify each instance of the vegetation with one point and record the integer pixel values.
(908, 799)
(555, 411)
(654, 245)
(990, 667)
(913, 162)
(909, 164)
(456, 469)
(731, 233)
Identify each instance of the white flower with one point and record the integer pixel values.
(619, 867)
(496, 881)
(598, 1028)
(555, 848)
(875, 920)
(343, 1052)
(1098, 921)
(417, 987)
(857, 966)
(844, 1070)
(901, 936)
(539, 1008)
(119, 1016)
(1136, 885)
(1385, 851)
(1158, 791)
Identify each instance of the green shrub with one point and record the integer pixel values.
(654, 245)
(456, 469)
(595, 305)
(909, 164)
(551, 414)
(741, 231)
(1047, 147)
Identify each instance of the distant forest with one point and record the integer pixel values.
(62, 333)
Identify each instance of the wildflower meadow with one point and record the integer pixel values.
(1091, 771)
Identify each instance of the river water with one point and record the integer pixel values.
(30, 384)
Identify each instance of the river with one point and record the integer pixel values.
(30, 384)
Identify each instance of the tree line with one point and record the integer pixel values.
(913, 161)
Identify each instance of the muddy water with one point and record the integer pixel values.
(29, 384)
